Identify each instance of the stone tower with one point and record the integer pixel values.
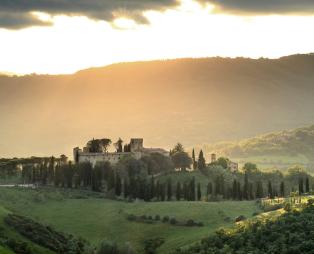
(136, 145)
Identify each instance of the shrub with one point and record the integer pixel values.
(107, 247)
(240, 218)
(227, 219)
(151, 245)
(165, 219)
(131, 217)
(143, 217)
(150, 217)
(190, 223)
(270, 208)
(173, 221)
(157, 217)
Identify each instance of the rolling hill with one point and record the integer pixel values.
(276, 148)
(193, 101)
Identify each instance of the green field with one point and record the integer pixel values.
(96, 219)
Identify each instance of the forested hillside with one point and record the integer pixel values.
(290, 143)
(194, 101)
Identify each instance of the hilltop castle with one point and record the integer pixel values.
(96, 151)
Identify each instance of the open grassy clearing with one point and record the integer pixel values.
(96, 219)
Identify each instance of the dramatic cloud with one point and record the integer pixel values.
(15, 14)
(263, 6)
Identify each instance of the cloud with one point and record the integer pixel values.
(16, 14)
(258, 7)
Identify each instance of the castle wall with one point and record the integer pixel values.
(93, 158)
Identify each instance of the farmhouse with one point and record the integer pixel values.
(96, 151)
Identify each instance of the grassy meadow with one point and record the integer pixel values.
(94, 218)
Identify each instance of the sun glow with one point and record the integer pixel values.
(192, 30)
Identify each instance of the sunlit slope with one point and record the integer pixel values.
(282, 148)
(188, 100)
(97, 219)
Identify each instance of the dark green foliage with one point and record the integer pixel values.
(201, 163)
(151, 245)
(209, 189)
(301, 186)
(45, 235)
(240, 218)
(199, 192)
(194, 163)
(290, 233)
(19, 247)
(169, 189)
(307, 185)
(178, 191)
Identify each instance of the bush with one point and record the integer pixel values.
(143, 217)
(131, 217)
(165, 219)
(255, 213)
(190, 223)
(19, 247)
(240, 218)
(157, 217)
(173, 221)
(150, 217)
(151, 245)
(270, 208)
(107, 247)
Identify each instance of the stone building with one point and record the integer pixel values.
(134, 149)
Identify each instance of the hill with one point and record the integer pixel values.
(95, 219)
(295, 146)
(188, 100)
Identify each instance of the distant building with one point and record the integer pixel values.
(134, 149)
(233, 166)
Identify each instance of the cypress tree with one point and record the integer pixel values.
(209, 189)
(301, 187)
(125, 189)
(178, 191)
(169, 189)
(158, 191)
(259, 190)
(307, 185)
(199, 192)
(282, 189)
(234, 189)
(162, 192)
(246, 187)
(270, 190)
(185, 191)
(194, 160)
(201, 163)
(239, 192)
(192, 189)
(152, 187)
(118, 185)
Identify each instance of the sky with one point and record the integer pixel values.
(63, 36)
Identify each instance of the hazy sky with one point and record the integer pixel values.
(63, 36)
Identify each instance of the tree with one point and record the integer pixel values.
(194, 160)
(246, 187)
(270, 190)
(307, 185)
(152, 187)
(259, 190)
(199, 192)
(249, 167)
(181, 160)
(178, 191)
(224, 162)
(118, 145)
(201, 163)
(234, 189)
(169, 189)
(209, 189)
(301, 187)
(282, 189)
(118, 185)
